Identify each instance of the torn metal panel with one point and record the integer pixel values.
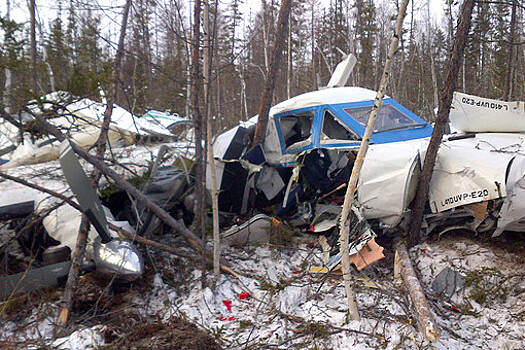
(231, 144)
(478, 114)
(269, 182)
(464, 174)
(326, 218)
(257, 229)
(512, 213)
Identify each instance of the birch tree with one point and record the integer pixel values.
(352, 184)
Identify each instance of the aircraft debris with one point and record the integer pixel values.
(448, 282)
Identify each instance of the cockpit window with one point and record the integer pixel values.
(333, 129)
(296, 128)
(388, 118)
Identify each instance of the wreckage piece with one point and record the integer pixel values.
(38, 278)
(448, 282)
(512, 213)
(82, 120)
(257, 229)
(403, 270)
(162, 214)
(172, 122)
(165, 186)
(368, 254)
(363, 250)
(478, 114)
(112, 256)
(77, 112)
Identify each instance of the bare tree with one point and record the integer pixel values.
(34, 68)
(209, 35)
(8, 75)
(273, 70)
(439, 128)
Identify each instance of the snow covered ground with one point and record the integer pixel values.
(279, 304)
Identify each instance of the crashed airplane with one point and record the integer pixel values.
(300, 171)
(298, 175)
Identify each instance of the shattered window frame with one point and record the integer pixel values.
(325, 139)
(304, 142)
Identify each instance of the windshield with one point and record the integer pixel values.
(388, 118)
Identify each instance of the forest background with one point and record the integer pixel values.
(75, 44)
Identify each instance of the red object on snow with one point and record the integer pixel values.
(229, 318)
(454, 308)
(244, 295)
(228, 304)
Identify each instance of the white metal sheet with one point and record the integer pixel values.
(512, 214)
(465, 173)
(384, 178)
(477, 114)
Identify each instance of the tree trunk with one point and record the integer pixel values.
(34, 68)
(208, 59)
(8, 76)
(507, 95)
(441, 121)
(199, 223)
(266, 35)
(350, 190)
(273, 70)
(289, 63)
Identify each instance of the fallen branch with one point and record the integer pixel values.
(403, 269)
(77, 256)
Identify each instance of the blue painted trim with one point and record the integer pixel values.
(341, 145)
